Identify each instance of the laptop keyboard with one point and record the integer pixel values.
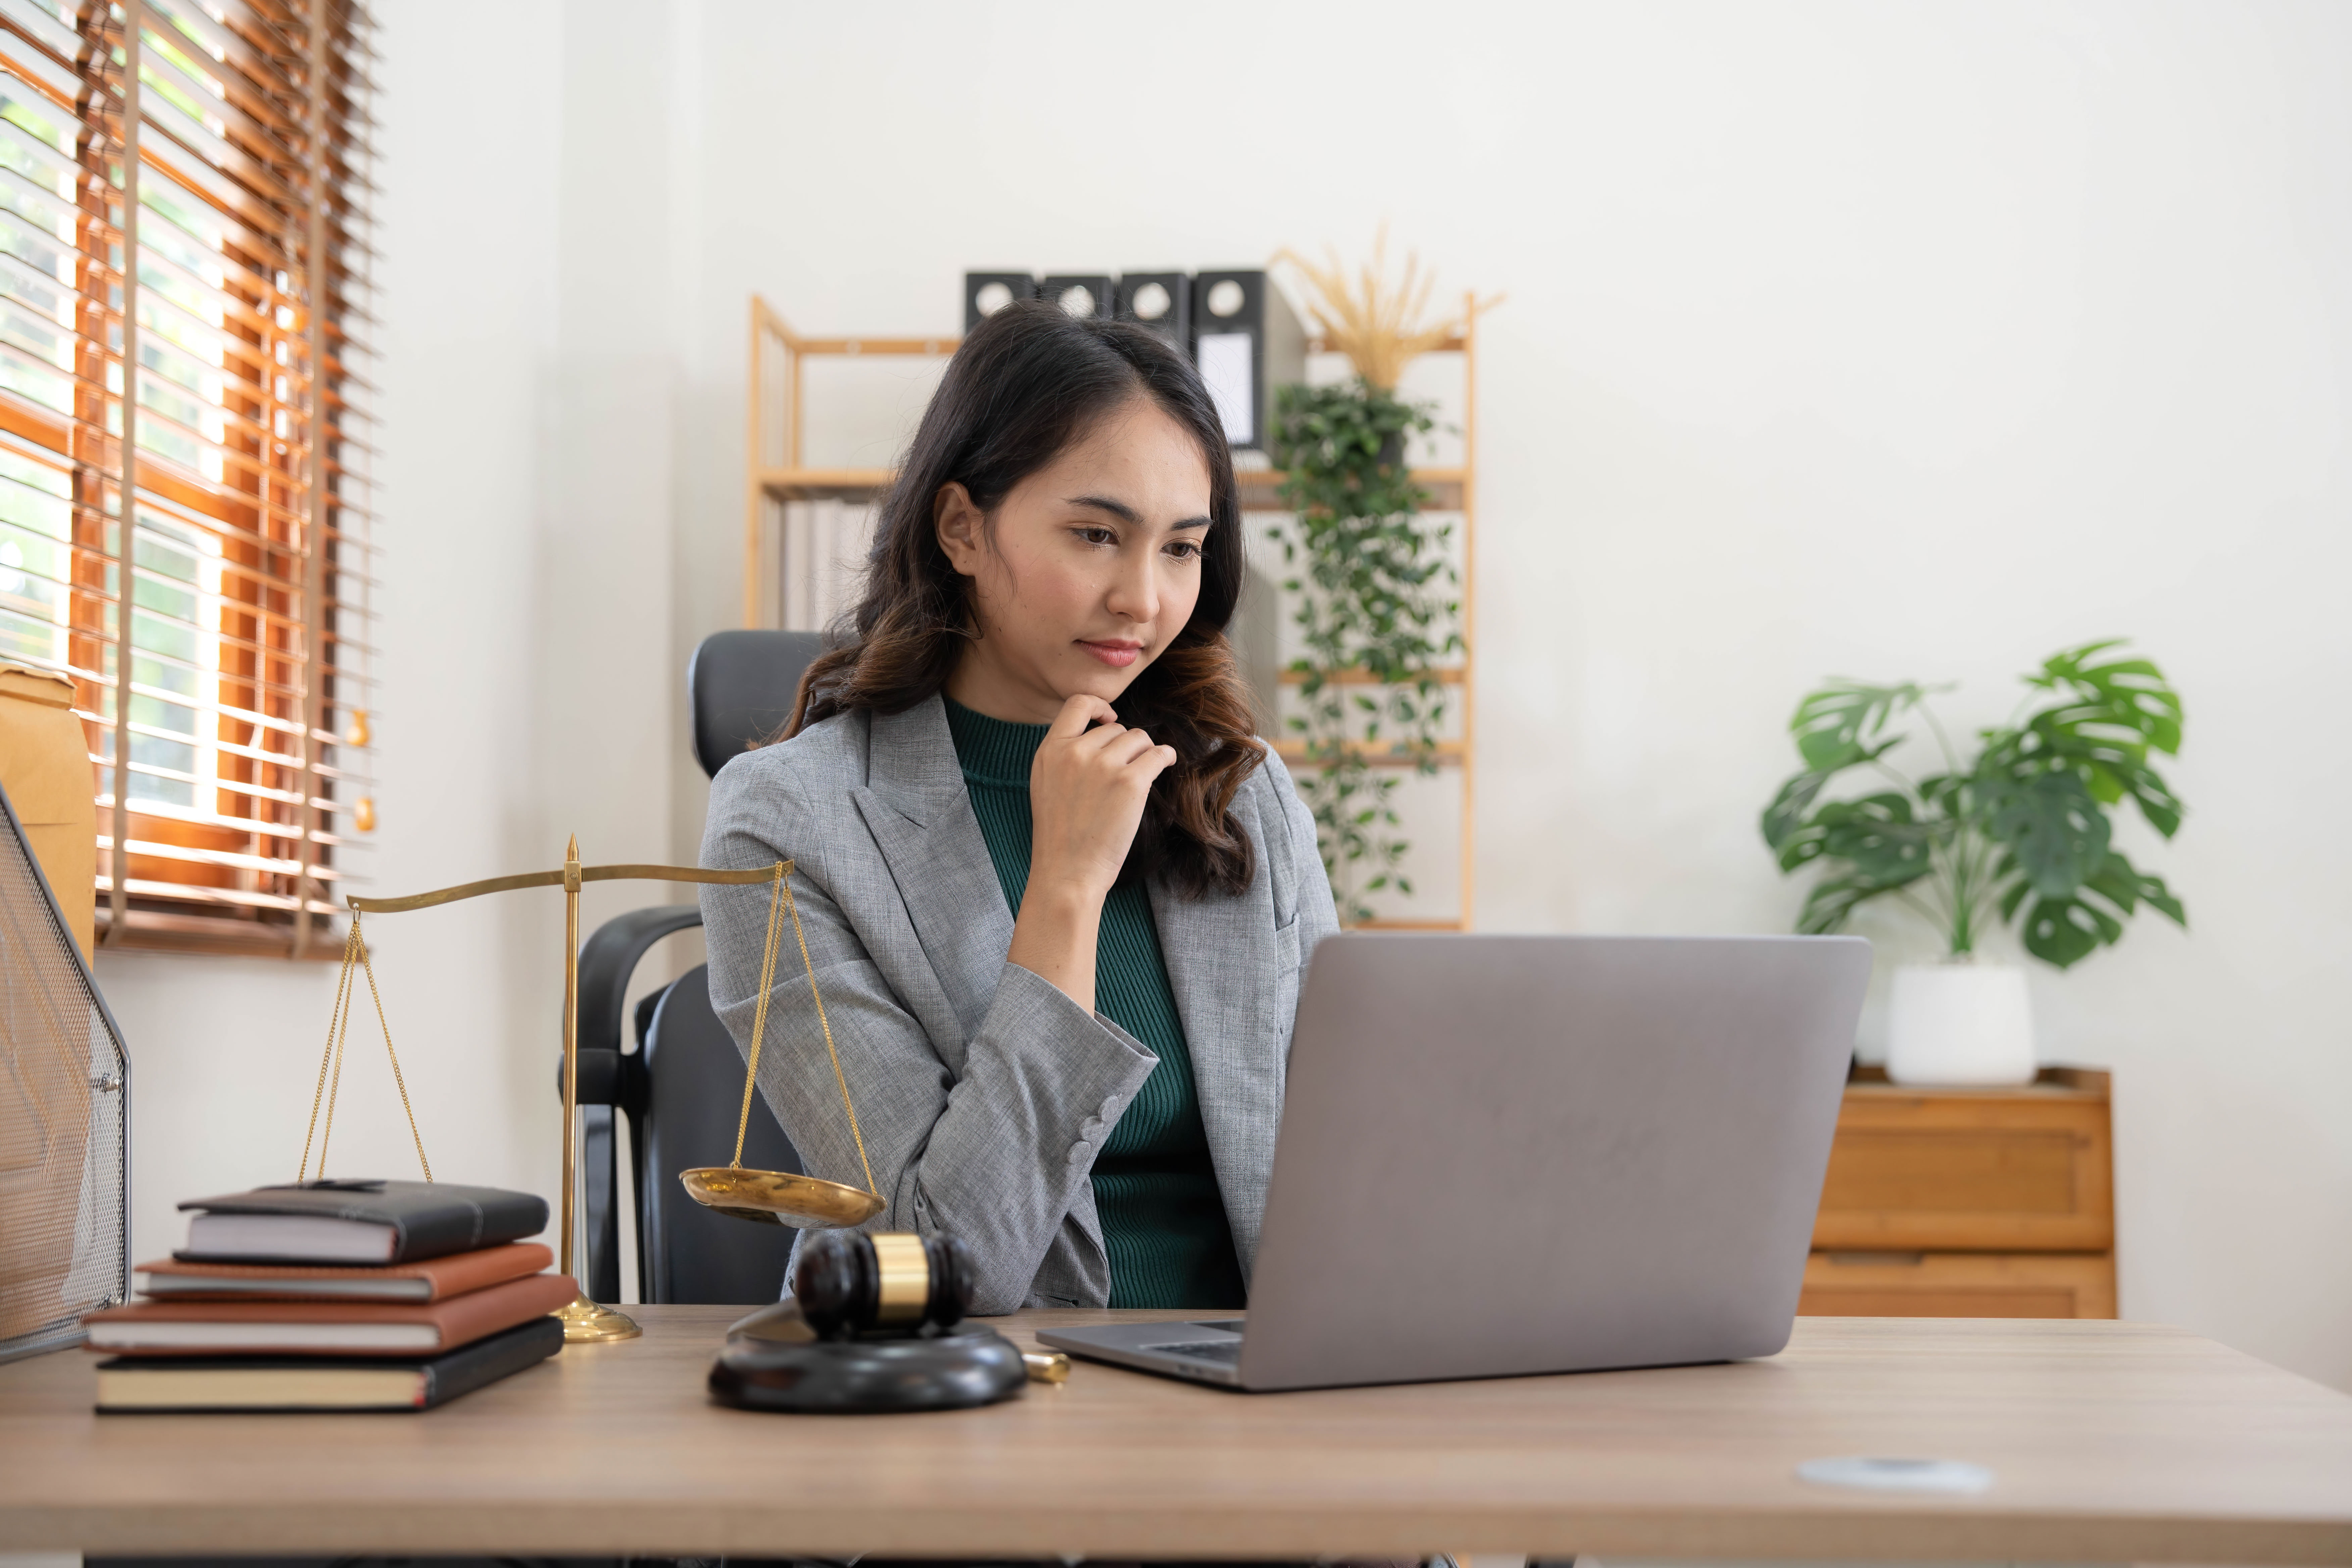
(1227, 1352)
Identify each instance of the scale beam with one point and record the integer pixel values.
(556, 879)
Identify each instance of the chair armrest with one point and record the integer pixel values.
(610, 956)
(607, 959)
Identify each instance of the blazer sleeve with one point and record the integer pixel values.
(996, 1152)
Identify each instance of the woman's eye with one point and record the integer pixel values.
(1185, 550)
(1097, 536)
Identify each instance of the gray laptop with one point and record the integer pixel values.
(1511, 1155)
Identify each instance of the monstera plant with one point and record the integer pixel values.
(2020, 831)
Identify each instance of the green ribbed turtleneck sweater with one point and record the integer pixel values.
(1163, 1222)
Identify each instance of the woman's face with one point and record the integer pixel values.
(1089, 568)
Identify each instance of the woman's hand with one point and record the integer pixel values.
(1086, 791)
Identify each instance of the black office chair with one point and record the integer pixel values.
(682, 1087)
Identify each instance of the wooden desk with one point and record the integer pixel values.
(2112, 1442)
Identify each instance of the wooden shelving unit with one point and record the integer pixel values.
(772, 449)
(810, 484)
(775, 473)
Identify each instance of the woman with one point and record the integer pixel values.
(1057, 896)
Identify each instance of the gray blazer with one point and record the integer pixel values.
(983, 1092)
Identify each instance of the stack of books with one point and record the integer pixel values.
(342, 1295)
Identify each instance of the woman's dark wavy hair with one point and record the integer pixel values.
(1028, 383)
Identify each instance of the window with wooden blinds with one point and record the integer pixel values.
(184, 289)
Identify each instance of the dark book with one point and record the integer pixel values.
(308, 1382)
(347, 1220)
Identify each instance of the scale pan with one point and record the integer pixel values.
(778, 1197)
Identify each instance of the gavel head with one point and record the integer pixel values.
(848, 1282)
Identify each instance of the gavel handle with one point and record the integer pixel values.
(1045, 1366)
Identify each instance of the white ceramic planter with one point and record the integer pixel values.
(1959, 1022)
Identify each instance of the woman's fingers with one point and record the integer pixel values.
(1109, 742)
(1150, 763)
(1087, 793)
(1124, 747)
(1078, 713)
(1093, 742)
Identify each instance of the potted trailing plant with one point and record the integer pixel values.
(1371, 575)
(2019, 833)
(1371, 579)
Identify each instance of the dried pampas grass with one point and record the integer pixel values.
(1380, 326)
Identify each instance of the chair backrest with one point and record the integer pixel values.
(742, 684)
(682, 1090)
(687, 1252)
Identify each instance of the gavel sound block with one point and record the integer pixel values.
(875, 1323)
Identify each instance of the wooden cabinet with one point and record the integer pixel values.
(1976, 1203)
(1960, 1285)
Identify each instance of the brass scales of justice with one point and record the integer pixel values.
(777, 1197)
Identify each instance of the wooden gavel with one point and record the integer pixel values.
(864, 1305)
(850, 1282)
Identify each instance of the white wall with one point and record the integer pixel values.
(1881, 340)
(1841, 338)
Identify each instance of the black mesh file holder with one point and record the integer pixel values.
(65, 1120)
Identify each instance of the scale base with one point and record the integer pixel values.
(586, 1323)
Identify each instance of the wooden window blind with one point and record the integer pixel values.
(186, 271)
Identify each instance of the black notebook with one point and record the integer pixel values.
(322, 1382)
(361, 1222)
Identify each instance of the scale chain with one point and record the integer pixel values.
(810, 969)
(334, 1026)
(784, 895)
(337, 1031)
(367, 963)
(759, 1019)
(335, 1084)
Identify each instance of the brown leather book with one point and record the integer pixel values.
(434, 1280)
(324, 1328)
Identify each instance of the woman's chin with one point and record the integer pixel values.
(1095, 678)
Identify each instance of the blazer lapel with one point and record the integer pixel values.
(915, 805)
(1221, 966)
